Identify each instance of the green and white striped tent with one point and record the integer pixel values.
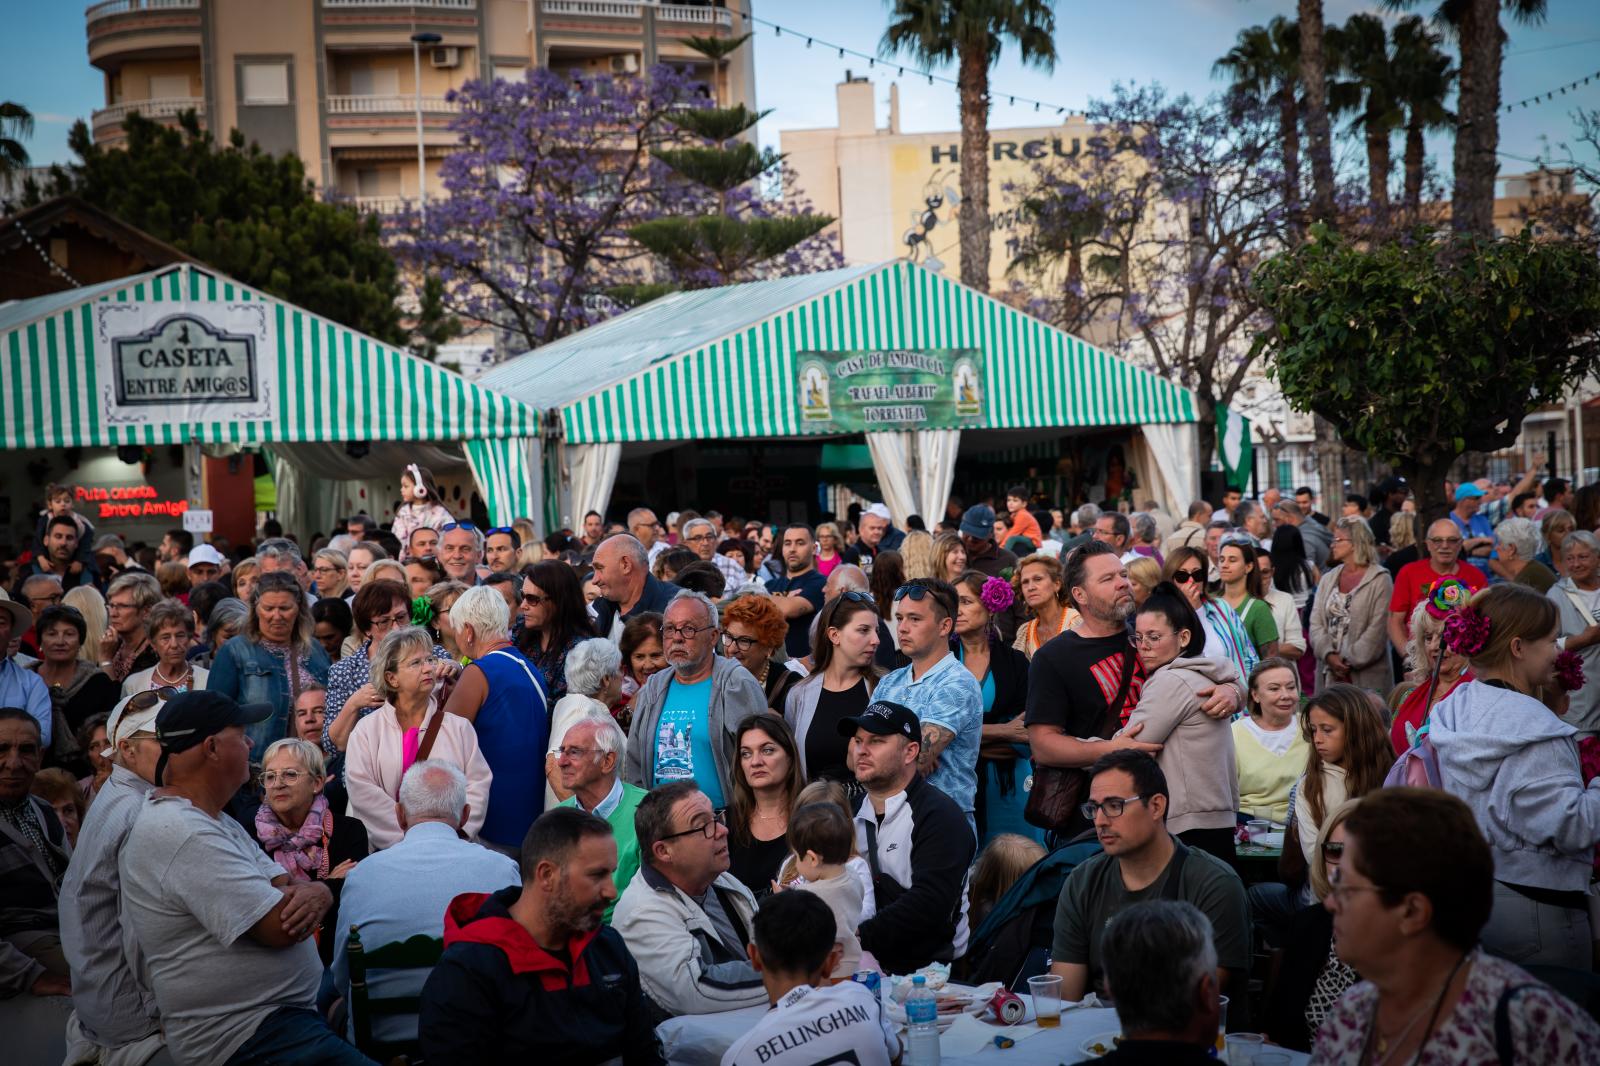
(183, 355)
(722, 363)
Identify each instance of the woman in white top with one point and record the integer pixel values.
(170, 626)
(594, 683)
(1285, 612)
(410, 726)
(1269, 746)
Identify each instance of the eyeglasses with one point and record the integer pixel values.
(1442, 541)
(147, 699)
(451, 527)
(1184, 577)
(686, 632)
(701, 536)
(288, 777)
(398, 618)
(739, 644)
(1147, 640)
(1340, 893)
(573, 753)
(122, 606)
(708, 830)
(1112, 805)
(327, 569)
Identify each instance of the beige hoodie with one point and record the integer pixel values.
(1202, 780)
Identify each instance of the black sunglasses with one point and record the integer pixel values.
(1183, 577)
(857, 596)
(147, 699)
(916, 592)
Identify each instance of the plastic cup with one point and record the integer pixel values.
(1046, 993)
(1258, 827)
(1222, 1023)
(1244, 1049)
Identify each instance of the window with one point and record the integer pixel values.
(169, 86)
(374, 81)
(377, 181)
(509, 71)
(265, 83)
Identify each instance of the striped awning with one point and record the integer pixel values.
(720, 363)
(69, 378)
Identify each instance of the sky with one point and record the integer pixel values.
(1173, 42)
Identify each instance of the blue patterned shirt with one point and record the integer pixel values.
(947, 695)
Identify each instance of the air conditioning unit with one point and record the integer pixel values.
(625, 64)
(445, 57)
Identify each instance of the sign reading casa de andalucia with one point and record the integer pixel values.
(890, 389)
(188, 362)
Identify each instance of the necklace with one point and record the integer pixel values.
(766, 668)
(1033, 629)
(1380, 1053)
(173, 682)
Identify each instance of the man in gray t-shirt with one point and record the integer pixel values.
(225, 936)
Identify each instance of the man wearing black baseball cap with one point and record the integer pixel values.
(917, 842)
(225, 935)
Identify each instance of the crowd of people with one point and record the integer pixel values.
(645, 770)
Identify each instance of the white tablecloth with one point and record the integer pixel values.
(700, 1040)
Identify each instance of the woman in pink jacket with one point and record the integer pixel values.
(409, 727)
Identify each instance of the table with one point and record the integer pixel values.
(700, 1040)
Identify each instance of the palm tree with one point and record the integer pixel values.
(1313, 76)
(1476, 24)
(1360, 48)
(973, 33)
(1426, 76)
(16, 126)
(1265, 66)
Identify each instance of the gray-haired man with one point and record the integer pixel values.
(1162, 969)
(590, 763)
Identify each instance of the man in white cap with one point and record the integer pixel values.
(205, 564)
(19, 687)
(875, 533)
(113, 1010)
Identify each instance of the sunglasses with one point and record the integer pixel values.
(1184, 577)
(147, 699)
(916, 593)
(857, 596)
(450, 527)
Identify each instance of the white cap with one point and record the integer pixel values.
(205, 553)
(878, 510)
(125, 723)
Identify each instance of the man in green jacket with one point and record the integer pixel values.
(588, 763)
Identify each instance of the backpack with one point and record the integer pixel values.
(1417, 766)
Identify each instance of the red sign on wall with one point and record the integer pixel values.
(130, 501)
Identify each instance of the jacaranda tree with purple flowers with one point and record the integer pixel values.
(551, 173)
(1145, 241)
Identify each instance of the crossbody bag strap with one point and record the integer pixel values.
(1114, 708)
(429, 735)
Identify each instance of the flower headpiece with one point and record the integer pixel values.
(422, 613)
(996, 595)
(1446, 595)
(1466, 631)
(1569, 671)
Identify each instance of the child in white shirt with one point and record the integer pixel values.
(821, 837)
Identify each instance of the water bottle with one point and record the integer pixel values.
(922, 1025)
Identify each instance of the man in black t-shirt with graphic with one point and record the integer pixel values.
(1076, 679)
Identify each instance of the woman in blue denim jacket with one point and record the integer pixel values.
(254, 667)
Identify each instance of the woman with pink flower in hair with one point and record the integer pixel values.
(1197, 753)
(1002, 672)
(1504, 749)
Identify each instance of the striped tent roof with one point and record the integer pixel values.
(721, 362)
(335, 384)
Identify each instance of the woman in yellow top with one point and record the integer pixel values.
(1043, 589)
(1269, 747)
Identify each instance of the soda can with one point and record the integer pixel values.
(1007, 1008)
(871, 979)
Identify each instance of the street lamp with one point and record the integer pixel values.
(417, 41)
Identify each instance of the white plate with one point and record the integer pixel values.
(1107, 1042)
(1268, 840)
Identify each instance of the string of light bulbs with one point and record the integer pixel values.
(1013, 99)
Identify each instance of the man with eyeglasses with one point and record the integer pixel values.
(113, 1006)
(941, 692)
(685, 918)
(1127, 804)
(701, 537)
(460, 551)
(39, 592)
(918, 842)
(1414, 580)
(685, 716)
(590, 764)
(646, 528)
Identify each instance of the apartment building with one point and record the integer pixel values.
(336, 81)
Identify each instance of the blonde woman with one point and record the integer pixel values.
(917, 555)
(949, 557)
(829, 545)
(87, 601)
(1144, 573)
(1350, 612)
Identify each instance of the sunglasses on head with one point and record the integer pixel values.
(916, 593)
(451, 527)
(857, 596)
(496, 529)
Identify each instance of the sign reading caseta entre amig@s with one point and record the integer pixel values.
(186, 362)
(890, 389)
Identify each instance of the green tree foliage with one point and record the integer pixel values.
(737, 231)
(16, 126)
(1417, 351)
(250, 214)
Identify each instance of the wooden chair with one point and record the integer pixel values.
(418, 953)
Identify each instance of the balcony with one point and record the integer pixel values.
(634, 9)
(398, 103)
(165, 108)
(382, 205)
(110, 8)
(452, 5)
